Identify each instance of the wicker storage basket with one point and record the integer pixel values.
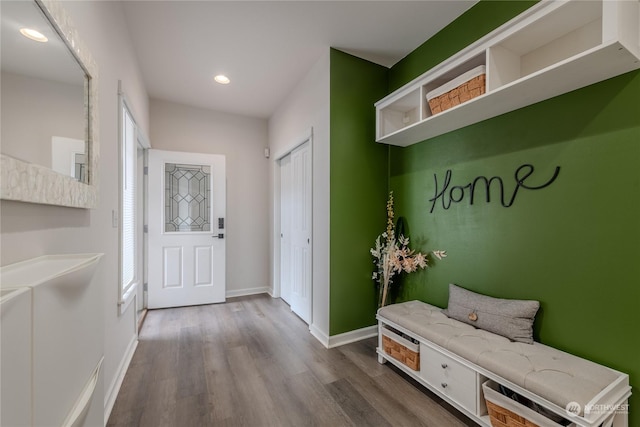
(459, 90)
(401, 349)
(506, 412)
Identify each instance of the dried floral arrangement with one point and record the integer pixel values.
(392, 256)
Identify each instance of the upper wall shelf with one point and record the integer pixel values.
(550, 49)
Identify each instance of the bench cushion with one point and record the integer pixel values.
(545, 371)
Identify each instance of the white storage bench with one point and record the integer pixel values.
(456, 359)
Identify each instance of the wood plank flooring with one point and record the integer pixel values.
(252, 362)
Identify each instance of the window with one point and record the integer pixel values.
(133, 146)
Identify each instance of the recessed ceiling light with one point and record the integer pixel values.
(222, 79)
(33, 35)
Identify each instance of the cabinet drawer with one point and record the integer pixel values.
(450, 377)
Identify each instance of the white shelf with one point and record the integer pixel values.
(44, 269)
(550, 49)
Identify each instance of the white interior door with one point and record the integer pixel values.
(186, 229)
(286, 198)
(301, 231)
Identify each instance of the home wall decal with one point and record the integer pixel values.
(457, 193)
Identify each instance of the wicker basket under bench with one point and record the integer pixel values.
(404, 349)
(473, 379)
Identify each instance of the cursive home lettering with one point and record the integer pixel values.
(449, 194)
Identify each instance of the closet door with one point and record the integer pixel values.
(301, 232)
(286, 208)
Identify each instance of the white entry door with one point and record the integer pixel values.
(295, 249)
(186, 229)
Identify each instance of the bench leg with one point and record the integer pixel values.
(381, 360)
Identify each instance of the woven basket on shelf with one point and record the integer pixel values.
(463, 93)
(401, 353)
(501, 417)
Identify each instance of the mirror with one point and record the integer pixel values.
(41, 83)
(49, 121)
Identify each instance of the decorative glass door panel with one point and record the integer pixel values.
(187, 197)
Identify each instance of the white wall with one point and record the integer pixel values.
(30, 230)
(242, 140)
(57, 108)
(307, 107)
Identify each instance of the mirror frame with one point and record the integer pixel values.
(28, 182)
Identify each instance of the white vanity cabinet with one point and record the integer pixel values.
(552, 48)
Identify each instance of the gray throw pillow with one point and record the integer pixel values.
(507, 317)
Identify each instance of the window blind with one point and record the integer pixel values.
(129, 147)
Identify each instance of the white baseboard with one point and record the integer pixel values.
(319, 335)
(114, 388)
(345, 338)
(248, 291)
(353, 336)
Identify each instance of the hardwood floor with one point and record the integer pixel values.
(252, 362)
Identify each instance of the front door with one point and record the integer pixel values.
(186, 229)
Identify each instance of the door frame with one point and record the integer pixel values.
(287, 150)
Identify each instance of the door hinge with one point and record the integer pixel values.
(145, 286)
(145, 170)
(145, 228)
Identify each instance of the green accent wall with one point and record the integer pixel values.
(358, 184)
(573, 245)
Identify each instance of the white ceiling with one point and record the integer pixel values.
(267, 47)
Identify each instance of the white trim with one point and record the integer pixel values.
(248, 291)
(307, 136)
(353, 336)
(319, 335)
(345, 338)
(141, 137)
(114, 388)
(128, 296)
